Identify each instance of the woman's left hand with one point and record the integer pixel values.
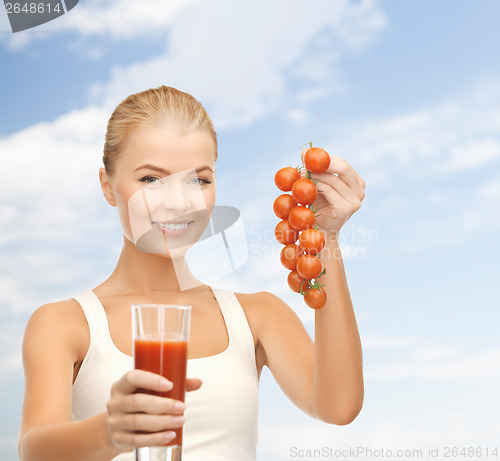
(340, 193)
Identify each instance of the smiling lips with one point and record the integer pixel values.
(174, 228)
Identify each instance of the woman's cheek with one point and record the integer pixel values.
(139, 214)
(153, 199)
(134, 216)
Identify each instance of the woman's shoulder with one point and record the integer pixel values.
(261, 300)
(59, 321)
(56, 312)
(264, 307)
(269, 317)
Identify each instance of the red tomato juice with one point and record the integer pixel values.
(166, 358)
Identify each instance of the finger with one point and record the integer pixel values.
(143, 422)
(152, 404)
(140, 379)
(131, 440)
(347, 173)
(192, 384)
(302, 153)
(339, 185)
(340, 205)
(340, 166)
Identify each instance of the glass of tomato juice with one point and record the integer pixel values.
(161, 334)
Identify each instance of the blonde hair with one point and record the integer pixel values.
(153, 107)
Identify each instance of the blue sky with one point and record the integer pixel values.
(407, 92)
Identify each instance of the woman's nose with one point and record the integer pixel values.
(175, 197)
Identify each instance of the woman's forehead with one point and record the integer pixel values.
(170, 148)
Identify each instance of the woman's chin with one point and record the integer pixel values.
(176, 253)
(153, 242)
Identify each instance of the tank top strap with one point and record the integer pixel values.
(238, 330)
(96, 318)
(102, 365)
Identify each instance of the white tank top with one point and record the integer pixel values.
(221, 416)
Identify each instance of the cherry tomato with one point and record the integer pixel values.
(283, 204)
(316, 160)
(309, 266)
(311, 241)
(284, 233)
(295, 282)
(286, 177)
(301, 217)
(304, 191)
(289, 255)
(315, 298)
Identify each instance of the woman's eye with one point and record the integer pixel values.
(200, 181)
(152, 180)
(149, 179)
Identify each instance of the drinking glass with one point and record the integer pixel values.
(161, 334)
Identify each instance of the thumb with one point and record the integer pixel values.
(303, 152)
(192, 384)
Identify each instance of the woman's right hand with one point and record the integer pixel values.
(143, 420)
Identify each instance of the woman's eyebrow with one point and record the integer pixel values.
(166, 172)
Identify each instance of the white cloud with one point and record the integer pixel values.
(410, 163)
(122, 19)
(434, 353)
(51, 206)
(365, 440)
(129, 19)
(15, 296)
(11, 345)
(118, 19)
(238, 60)
(448, 138)
(490, 190)
(475, 153)
(397, 342)
(297, 116)
(49, 171)
(49, 200)
(483, 364)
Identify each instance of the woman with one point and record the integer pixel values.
(80, 398)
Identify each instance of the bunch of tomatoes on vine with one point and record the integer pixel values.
(302, 239)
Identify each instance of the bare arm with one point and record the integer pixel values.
(79, 441)
(50, 349)
(338, 362)
(47, 431)
(324, 378)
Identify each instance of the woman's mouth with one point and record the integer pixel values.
(172, 228)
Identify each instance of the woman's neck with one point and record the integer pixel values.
(149, 274)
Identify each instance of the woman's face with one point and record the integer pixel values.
(164, 188)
